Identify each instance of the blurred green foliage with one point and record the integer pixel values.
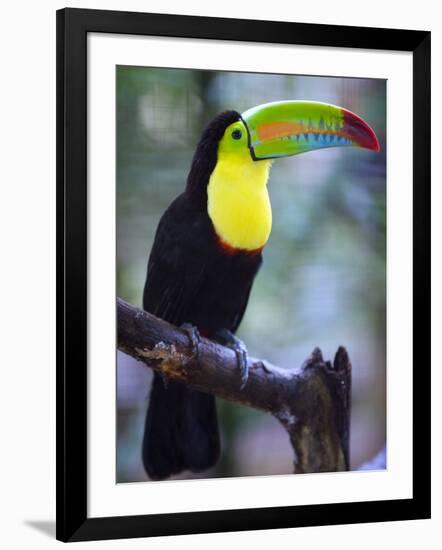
(323, 279)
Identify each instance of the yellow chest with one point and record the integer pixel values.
(238, 202)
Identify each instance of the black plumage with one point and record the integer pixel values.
(192, 278)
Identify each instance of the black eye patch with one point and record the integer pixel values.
(236, 134)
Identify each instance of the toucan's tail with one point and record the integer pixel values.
(181, 430)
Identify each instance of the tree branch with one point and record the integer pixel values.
(311, 402)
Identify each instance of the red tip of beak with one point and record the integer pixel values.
(359, 131)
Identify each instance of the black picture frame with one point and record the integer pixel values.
(73, 25)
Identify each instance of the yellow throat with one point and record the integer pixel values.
(238, 201)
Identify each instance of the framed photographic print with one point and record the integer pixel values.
(243, 298)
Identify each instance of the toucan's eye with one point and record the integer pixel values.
(237, 134)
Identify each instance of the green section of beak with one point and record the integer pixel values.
(286, 128)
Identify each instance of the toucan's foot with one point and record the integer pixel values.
(194, 337)
(228, 339)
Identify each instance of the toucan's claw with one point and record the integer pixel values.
(228, 339)
(241, 355)
(194, 337)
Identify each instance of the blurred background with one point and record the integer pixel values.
(323, 278)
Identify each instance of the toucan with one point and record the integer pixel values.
(208, 249)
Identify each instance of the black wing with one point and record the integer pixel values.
(176, 267)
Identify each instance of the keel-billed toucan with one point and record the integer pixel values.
(207, 251)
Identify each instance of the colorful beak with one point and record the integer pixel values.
(286, 128)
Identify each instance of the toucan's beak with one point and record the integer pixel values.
(285, 128)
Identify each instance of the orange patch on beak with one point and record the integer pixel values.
(274, 130)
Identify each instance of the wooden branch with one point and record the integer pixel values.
(311, 402)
